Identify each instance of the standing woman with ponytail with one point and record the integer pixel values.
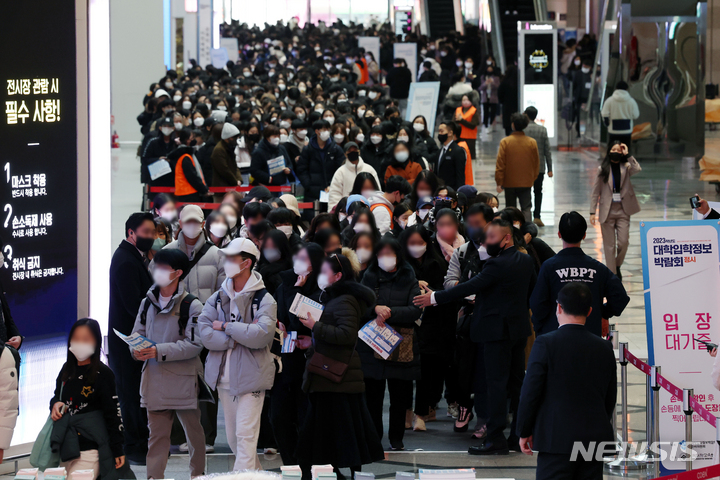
(615, 195)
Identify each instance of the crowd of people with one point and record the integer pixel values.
(406, 241)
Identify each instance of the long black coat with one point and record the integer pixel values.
(316, 166)
(336, 333)
(259, 166)
(436, 333)
(395, 290)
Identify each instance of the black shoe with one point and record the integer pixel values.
(490, 447)
(514, 444)
(619, 275)
(138, 460)
(397, 446)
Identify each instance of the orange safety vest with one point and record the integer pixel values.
(182, 186)
(364, 72)
(469, 177)
(467, 132)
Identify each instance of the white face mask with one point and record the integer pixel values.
(168, 85)
(402, 156)
(282, 86)
(286, 229)
(458, 63)
(375, 139)
(362, 227)
(323, 281)
(232, 269)
(247, 74)
(325, 135)
(330, 120)
(495, 209)
(361, 112)
(301, 267)
(468, 65)
(338, 137)
(187, 105)
(423, 213)
(167, 131)
(232, 221)
(402, 223)
(192, 230)
(424, 193)
(275, 141)
(360, 137)
(178, 126)
(372, 95)
(403, 138)
(271, 254)
(177, 98)
(418, 127)
(417, 251)
(283, 138)
(363, 254)
(341, 216)
(169, 215)
(82, 351)
(387, 262)
(367, 193)
(585, 70)
(219, 229)
(222, 107)
(301, 134)
(198, 122)
(284, 124)
(162, 277)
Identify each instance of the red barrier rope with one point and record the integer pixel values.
(283, 189)
(673, 390)
(713, 471)
(213, 206)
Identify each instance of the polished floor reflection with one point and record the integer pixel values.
(663, 189)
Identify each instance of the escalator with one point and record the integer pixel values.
(441, 17)
(511, 12)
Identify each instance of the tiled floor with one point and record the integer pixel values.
(663, 188)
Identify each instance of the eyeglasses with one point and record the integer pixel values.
(443, 199)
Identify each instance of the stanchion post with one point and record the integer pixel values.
(654, 374)
(622, 462)
(316, 207)
(613, 334)
(687, 408)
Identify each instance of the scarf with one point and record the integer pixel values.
(447, 249)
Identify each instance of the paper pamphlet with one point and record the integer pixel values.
(301, 305)
(289, 342)
(158, 169)
(382, 340)
(135, 340)
(276, 165)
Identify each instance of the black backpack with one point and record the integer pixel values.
(183, 318)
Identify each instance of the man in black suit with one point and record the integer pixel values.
(500, 321)
(705, 210)
(450, 162)
(129, 282)
(572, 376)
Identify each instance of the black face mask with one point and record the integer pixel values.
(254, 137)
(144, 244)
(353, 156)
(439, 205)
(477, 235)
(442, 137)
(617, 157)
(494, 249)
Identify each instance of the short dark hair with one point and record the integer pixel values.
(499, 222)
(531, 113)
(270, 130)
(173, 258)
(572, 227)
(519, 121)
(453, 127)
(320, 124)
(480, 208)
(248, 256)
(621, 85)
(281, 216)
(396, 183)
(575, 299)
(136, 219)
(253, 209)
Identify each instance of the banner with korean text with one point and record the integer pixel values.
(681, 277)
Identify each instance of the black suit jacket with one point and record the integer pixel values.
(502, 290)
(129, 282)
(452, 167)
(713, 215)
(10, 327)
(569, 390)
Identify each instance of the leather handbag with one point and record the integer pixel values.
(333, 370)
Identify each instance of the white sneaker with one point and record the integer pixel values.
(183, 447)
(270, 451)
(209, 449)
(453, 410)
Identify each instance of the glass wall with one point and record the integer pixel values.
(253, 12)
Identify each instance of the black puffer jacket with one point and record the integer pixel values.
(336, 333)
(316, 166)
(259, 170)
(376, 155)
(395, 290)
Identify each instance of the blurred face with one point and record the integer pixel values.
(497, 235)
(303, 257)
(324, 225)
(364, 243)
(616, 148)
(333, 245)
(416, 240)
(328, 273)
(83, 335)
(493, 202)
(403, 219)
(447, 229)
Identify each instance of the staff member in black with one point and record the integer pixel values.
(9, 333)
(571, 375)
(500, 319)
(129, 282)
(450, 161)
(572, 265)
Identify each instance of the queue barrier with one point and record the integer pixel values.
(147, 190)
(655, 381)
(213, 206)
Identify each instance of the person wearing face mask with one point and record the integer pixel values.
(222, 159)
(156, 150)
(468, 117)
(216, 229)
(489, 85)
(237, 325)
(190, 185)
(344, 178)
(581, 82)
(614, 197)
(288, 400)
(205, 274)
(232, 215)
(363, 244)
(399, 79)
(423, 135)
(619, 112)
(363, 221)
(165, 318)
(88, 428)
(450, 161)
(422, 212)
(129, 282)
(284, 219)
(401, 213)
(500, 321)
(394, 283)
(275, 257)
(383, 203)
(447, 237)
(297, 140)
(318, 162)
(335, 405)
(404, 162)
(270, 161)
(436, 333)
(376, 150)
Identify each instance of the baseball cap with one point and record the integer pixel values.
(350, 145)
(260, 193)
(356, 198)
(228, 131)
(166, 122)
(469, 191)
(160, 92)
(424, 202)
(191, 212)
(291, 203)
(241, 245)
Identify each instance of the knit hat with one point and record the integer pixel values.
(229, 130)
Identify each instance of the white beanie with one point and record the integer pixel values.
(229, 130)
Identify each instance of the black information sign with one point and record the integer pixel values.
(539, 61)
(38, 156)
